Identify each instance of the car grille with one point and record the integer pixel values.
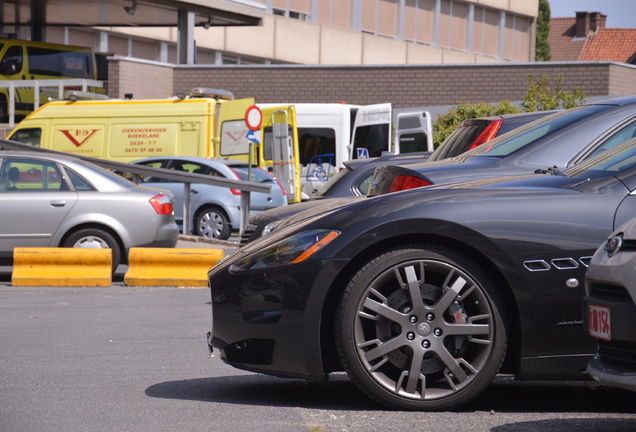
(618, 354)
(609, 291)
(246, 235)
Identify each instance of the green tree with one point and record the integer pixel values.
(542, 48)
(541, 97)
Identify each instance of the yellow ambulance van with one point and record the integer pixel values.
(126, 130)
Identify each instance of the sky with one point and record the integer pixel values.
(620, 13)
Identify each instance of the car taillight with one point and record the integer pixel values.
(487, 134)
(238, 177)
(404, 182)
(162, 204)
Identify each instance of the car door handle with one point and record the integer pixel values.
(58, 203)
(269, 199)
(193, 191)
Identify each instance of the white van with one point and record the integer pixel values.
(328, 134)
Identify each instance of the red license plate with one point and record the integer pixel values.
(599, 322)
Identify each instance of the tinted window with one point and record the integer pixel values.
(314, 142)
(46, 61)
(460, 140)
(373, 138)
(12, 61)
(413, 142)
(78, 182)
(29, 136)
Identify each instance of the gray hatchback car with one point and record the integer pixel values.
(51, 200)
(214, 210)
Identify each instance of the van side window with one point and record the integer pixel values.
(46, 61)
(30, 136)
(315, 142)
(11, 63)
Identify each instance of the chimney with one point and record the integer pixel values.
(582, 24)
(597, 21)
(589, 23)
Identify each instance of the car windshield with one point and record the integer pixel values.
(516, 139)
(611, 162)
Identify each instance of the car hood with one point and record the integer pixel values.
(307, 207)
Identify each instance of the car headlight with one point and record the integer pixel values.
(289, 251)
(613, 245)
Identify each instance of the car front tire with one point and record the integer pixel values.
(421, 328)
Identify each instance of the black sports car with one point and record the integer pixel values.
(423, 296)
(355, 178)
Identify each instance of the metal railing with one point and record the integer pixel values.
(38, 85)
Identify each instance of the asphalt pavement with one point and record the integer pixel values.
(135, 359)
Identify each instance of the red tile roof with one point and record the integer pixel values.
(616, 44)
(607, 44)
(563, 45)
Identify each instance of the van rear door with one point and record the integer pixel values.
(371, 131)
(278, 149)
(232, 138)
(413, 130)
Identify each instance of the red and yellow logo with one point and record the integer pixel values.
(79, 136)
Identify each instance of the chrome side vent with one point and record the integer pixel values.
(565, 263)
(536, 265)
(585, 260)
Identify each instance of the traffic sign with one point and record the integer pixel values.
(253, 117)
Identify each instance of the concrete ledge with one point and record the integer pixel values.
(71, 267)
(170, 267)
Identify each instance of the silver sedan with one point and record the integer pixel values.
(60, 201)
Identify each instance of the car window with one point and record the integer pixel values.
(78, 182)
(364, 182)
(189, 167)
(258, 175)
(460, 139)
(611, 162)
(154, 164)
(625, 133)
(29, 175)
(507, 144)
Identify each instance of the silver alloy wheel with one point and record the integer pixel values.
(212, 224)
(423, 329)
(91, 242)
